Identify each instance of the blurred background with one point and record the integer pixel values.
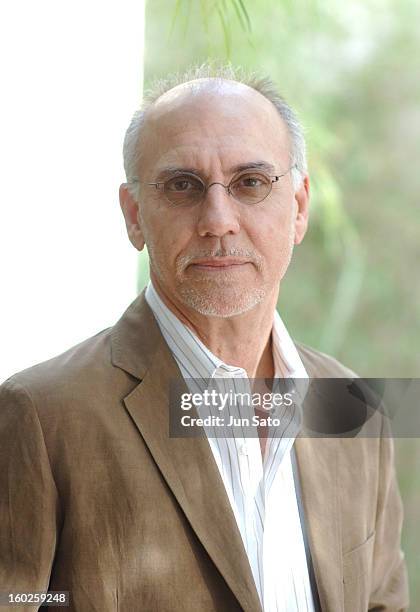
(352, 72)
(73, 75)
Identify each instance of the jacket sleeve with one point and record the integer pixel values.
(28, 496)
(389, 580)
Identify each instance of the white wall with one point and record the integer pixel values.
(71, 78)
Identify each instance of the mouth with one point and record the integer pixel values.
(219, 264)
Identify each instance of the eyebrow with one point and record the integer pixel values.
(259, 165)
(169, 171)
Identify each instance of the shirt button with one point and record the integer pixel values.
(243, 449)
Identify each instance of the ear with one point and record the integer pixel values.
(130, 210)
(302, 210)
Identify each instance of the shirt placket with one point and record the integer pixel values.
(250, 476)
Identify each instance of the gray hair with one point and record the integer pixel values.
(264, 85)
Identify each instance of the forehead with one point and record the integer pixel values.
(203, 123)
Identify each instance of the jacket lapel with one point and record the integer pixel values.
(187, 464)
(318, 460)
(317, 465)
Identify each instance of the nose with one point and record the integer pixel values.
(219, 213)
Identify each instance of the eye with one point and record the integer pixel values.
(251, 181)
(183, 184)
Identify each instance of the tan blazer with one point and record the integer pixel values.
(96, 499)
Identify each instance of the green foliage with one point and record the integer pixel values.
(223, 10)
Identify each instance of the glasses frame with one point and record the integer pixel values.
(159, 185)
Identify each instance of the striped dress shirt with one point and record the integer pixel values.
(261, 491)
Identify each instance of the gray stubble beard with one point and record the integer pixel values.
(209, 302)
(217, 296)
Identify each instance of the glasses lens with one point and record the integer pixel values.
(251, 188)
(184, 190)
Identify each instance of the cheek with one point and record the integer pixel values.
(274, 234)
(168, 234)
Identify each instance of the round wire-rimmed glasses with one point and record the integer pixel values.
(188, 189)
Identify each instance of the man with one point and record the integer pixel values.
(97, 498)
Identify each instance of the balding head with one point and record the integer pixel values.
(218, 113)
(203, 87)
(210, 87)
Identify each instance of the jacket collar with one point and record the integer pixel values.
(135, 338)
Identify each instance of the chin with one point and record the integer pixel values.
(223, 304)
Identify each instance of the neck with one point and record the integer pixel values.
(243, 340)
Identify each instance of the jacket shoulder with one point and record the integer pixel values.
(321, 365)
(77, 364)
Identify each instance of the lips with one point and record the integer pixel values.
(218, 264)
